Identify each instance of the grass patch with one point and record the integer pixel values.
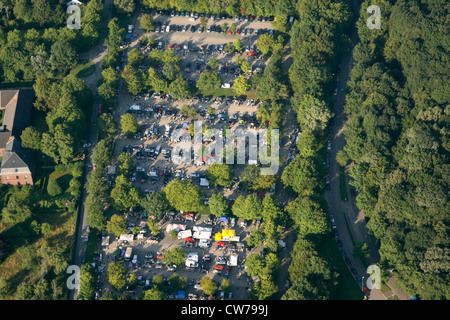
(342, 184)
(91, 245)
(349, 230)
(83, 69)
(221, 92)
(385, 288)
(348, 288)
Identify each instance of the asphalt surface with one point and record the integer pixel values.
(95, 55)
(347, 210)
(337, 207)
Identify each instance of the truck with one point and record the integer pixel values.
(233, 261)
(167, 132)
(128, 253)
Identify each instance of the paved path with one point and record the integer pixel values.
(346, 212)
(95, 55)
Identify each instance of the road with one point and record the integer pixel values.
(347, 210)
(95, 55)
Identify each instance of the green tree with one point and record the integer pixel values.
(147, 23)
(254, 265)
(184, 196)
(155, 204)
(126, 6)
(218, 205)
(135, 57)
(213, 63)
(87, 282)
(175, 256)
(209, 81)
(53, 188)
(102, 154)
(31, 138)
(116, 275)
(220, 174)
(179, 88)
(208, 285)
(238, 45)
(117, 225)
(129, 125)
(266, 43)
(241, 85)
(16, 211)
(63, 57)
(134, 79)
(154, 294)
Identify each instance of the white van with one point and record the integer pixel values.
(134, 259)
(157, 150)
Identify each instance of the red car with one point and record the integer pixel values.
(220, 244)
(189, 240)
(238, 31)
(366, 291)
(227, 271)
(229, 31)
(218, 267)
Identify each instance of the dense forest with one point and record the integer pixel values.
(35, 41)
(397, 140)
(317, 39)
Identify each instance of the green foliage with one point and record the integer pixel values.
(220, 174)
(241, 85)
(53, 188)
(218, 205)
(124, 196)
(175, 256)
(16, 211)
(188, 111)
(184, 196)
(129, 124)
(154, 294)
(155, 204)
(102, 154)
(147, 23)
(87, 283)
(208, 285)
(134, 79)
(209, 81)
(117, 225)
(249, 207)
(395, 138)
(116, 275)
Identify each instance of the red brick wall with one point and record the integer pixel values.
(16, 179)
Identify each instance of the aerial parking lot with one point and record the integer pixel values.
(218, 260)
(159, 115)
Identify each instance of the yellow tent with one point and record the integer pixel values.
(228, 233)
(218, 236)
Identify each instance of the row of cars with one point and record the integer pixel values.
(164, 27)
(214, 17)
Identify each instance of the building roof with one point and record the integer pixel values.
(16, 160)
(18, 106)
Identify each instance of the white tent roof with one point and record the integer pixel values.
(126, 237)
(202, 232)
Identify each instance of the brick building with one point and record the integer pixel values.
(17, 164)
